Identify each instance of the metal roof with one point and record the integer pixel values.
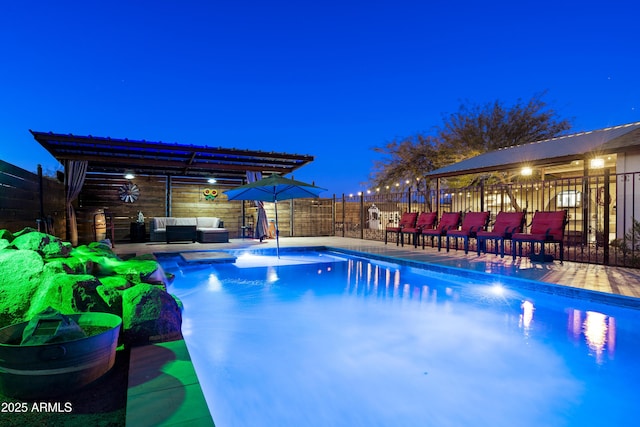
(553, 151)
(110, 155)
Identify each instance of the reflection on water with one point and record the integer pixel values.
(599, 331)
(385, 281)
(526, 317)
(365, 278)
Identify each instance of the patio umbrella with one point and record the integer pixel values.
(273, 189)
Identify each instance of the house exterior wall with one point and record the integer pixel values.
(627, 208)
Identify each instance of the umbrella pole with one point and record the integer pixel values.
(277, 230)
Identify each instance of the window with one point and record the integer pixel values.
(569, 199)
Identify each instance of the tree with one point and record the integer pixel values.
(408, 158)
(468, 132)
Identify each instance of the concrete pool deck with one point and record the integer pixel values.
(161, 377)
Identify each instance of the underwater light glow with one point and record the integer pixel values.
(214, 283)
(272, 275)
(497, 289)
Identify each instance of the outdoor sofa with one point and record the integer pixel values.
(201, 229)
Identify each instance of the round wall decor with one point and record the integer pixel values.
(129, 192)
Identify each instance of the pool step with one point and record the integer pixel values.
(207, 257)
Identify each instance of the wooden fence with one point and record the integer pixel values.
(29, 200)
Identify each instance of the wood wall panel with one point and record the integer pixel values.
(20, 200)
(19, 204)
(102, 191)
(189, 200)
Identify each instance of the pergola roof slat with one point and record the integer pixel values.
(109, 155)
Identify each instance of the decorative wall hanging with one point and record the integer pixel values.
(129, 192)
(210, 193)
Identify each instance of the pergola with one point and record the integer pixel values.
(228, 166)
(86, 155)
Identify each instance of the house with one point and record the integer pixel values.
(592, 174)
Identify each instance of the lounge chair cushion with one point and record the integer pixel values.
(408, 219)
(506, 224)
(546, 226)
(426, 221)
(448, 221)
(471, 224)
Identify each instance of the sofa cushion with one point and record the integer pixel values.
(160, 223)
(183, 221)
(207, 222)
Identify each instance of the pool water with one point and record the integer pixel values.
(328, 339)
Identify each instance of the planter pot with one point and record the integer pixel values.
(47, 370)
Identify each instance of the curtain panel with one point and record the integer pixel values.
(75, 173)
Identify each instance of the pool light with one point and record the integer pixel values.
(497, 289)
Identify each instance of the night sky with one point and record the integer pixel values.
(331, 79)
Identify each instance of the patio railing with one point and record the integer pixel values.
(602, 212)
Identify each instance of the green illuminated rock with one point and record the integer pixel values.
(149, 314)
(4, 243)
(69, 265)
(20, 277)
(48, 246)
(68, 293)
(6, 235)
(141, 271)
(39, 271)
(110, 290)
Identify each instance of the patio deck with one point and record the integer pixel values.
(175, 377)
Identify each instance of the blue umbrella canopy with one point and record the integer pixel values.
(273, 189)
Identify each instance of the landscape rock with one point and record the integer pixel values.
(68, 293)
(38, 271)
(20, 277)
(149, 314)
(111, 289)
(45, 244)
(6, 235)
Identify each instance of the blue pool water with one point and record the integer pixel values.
(328, 339)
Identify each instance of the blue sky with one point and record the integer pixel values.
(331, 79)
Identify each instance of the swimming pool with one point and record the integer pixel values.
(331, 339)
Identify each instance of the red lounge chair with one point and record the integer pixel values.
(408, 220)
(426, 221)
(546, 227)
(448, 221)
(472, 223)
(506, 224)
